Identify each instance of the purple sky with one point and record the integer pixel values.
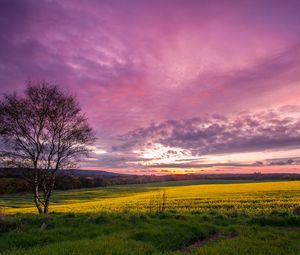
(169, 86)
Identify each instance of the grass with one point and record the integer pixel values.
(239, 218)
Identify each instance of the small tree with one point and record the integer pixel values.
(42, 132)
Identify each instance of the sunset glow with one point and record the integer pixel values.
(168, 86)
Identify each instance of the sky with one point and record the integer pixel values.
(168, 86)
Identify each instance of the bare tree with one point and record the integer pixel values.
(42, 132)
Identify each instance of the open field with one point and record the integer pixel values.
(188, 217)
(183, 196)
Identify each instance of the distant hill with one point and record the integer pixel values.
(91, 173)
(15, 172)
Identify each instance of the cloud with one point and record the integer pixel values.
(282, 161)
(205, 142)
(221, 135)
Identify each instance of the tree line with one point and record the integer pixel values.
(13, 182)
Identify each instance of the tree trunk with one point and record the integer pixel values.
(36, 191)
(46, 208)
(36, 199)
(49, 193)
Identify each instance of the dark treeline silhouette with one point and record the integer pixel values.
(12, 180)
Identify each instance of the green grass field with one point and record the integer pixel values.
(186, 217)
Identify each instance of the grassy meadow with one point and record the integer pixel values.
(184, 217)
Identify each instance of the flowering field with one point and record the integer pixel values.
(230, 198)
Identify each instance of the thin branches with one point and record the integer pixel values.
(44, 131)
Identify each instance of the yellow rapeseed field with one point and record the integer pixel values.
(249, 198)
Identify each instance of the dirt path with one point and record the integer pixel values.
(200, 243)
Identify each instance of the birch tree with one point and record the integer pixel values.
(43, 132)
